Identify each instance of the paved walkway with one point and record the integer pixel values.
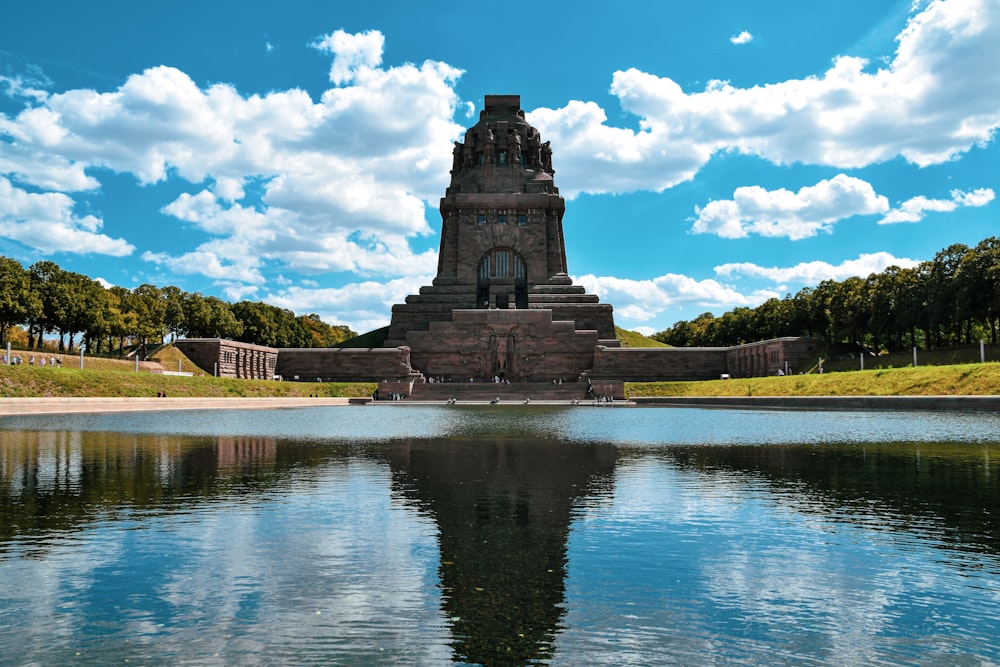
(32, 406)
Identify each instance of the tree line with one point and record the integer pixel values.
(952, 299)
(46, 300)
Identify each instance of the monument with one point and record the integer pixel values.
(502, 306)
(502, 316)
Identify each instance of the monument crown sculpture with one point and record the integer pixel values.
(502, 304)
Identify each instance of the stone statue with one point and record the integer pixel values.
(457, 161)
(490, 150)
(514, 147)
(545, 155)
(502, 352)
(534, 146)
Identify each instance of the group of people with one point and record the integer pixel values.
(17, 360)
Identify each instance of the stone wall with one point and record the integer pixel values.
(530, 344)
(791, 355)
(659, 364)
(229, 358)
(334, 364)
(519, 345)
(767, 357)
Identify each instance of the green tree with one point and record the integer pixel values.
(18, 304)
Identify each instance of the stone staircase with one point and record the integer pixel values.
(484, 392)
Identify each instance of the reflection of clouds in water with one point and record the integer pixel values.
(810, 601)
(721, 568)
(284, 576)
(60, 582)
(315, 570)
(640, 427)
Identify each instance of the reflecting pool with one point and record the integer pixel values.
(500, 535)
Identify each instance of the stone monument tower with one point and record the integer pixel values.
(502, 304)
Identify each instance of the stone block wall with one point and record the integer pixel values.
(792, 355)
(229, 358)
(520, 345)
(767, 357)
(658, 364)
(336, 364)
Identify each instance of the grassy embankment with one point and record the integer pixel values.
(111, 377)
(961, 380)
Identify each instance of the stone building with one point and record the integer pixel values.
(229, 358)
(502, 305)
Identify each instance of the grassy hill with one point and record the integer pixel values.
(636, 339)
(960, 380)
(114, 377)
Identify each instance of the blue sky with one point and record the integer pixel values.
(713, 154)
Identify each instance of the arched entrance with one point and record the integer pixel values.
(503, 280)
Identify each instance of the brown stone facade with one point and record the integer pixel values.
(788, 355)
(230, 359)
(518, 345)
(345, 364)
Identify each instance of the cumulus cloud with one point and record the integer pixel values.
(352, 53)
(742, 38)
(643, 300)
(937, 97)
(365, 305)
(46, 222)
(339, 183)
(813, 273)
(638, 301)
(794, 215)
(914, 209)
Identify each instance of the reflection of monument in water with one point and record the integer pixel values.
(503, 508)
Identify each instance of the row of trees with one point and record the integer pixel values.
(46, 300)
(950, 300)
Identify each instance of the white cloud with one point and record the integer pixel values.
(352, 54)
(913, 209)
(344, 182)
(742, 38)
(643, 300)
(813, 273)
(209, 263)
(46, 222)
(936, 98)
(794, 215)
(362, 306)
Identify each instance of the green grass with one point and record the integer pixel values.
(636, 339)
(959, 354)
(960, 380)
(113, 377)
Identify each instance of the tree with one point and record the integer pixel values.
(977, 284)
(943, 303)
(43, 277)
(150, 308)
(321, 334)
(173, 314)
(18, 304)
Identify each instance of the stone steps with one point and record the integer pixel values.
(484, 392)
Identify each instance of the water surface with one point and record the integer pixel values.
(500, 535)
